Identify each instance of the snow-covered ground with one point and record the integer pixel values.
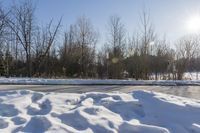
(43, 81)
(192, 75)
(190, 78)
(136, 112)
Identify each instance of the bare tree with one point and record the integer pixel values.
(4, 41)
(87, 38)
(161, 59)
(116, 42)
(44, 41)
(147, 37)
(186, 48)
(22, 24)
(133, 60)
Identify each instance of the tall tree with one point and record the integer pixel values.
(87, 38)
(147, 37)
(44, 43)
(22, 24)
(116, 41)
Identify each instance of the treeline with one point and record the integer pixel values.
(29, 49)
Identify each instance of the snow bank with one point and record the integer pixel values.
(42, 81)
(137, 112)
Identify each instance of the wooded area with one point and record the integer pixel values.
(31, 50)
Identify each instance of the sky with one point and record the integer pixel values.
(169, 17)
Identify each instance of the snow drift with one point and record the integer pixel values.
(137, 112)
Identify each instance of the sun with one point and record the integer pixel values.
(193, 24)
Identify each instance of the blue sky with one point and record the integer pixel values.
(168, 16)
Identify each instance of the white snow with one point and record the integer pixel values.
(191, 75)
(43, 81)
(136, 112)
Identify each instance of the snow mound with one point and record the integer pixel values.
(137, 112)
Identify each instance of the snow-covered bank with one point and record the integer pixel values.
(138, 112)
(42, 81)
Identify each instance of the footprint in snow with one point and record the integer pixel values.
(36, 97)
(45, 108)
(3, 124)
(18, 120)
(8, 110)
(37, 124)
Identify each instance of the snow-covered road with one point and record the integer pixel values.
(184, 91)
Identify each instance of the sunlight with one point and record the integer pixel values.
(193, 24)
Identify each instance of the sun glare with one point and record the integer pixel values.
(193, 24)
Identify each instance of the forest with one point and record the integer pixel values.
(28, 49)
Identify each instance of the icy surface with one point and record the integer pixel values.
(136, 112)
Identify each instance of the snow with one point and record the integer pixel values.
(138, 112)
(43, 81)
(191, 75)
